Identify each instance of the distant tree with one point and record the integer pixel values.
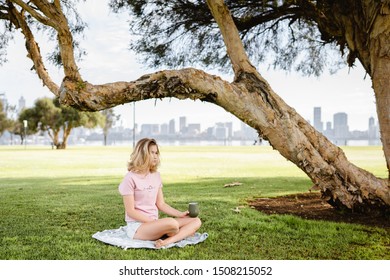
(110, 120)
(43, 116)
(18, 130)
(360, 28)
(9, 123)
(49, 116)
(5, 123)
(12, 114)
(71, 118)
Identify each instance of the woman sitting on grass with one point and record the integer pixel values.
(142, 194)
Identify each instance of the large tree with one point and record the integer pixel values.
(360, 28)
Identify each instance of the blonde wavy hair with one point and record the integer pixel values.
(140, 159)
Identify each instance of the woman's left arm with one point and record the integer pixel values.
(166, 208)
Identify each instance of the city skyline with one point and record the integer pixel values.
(316, 120)
(181, 127)
(339, 129)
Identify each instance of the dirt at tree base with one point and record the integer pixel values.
(311, 206)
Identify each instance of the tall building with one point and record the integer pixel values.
(229, 126)
(340, 126)
(371, 122)
(317, 122)
(22, 104)
(164, 129)
(182, 124)
(373, 131)
(172, 128)
(220, 131)
(328, 130)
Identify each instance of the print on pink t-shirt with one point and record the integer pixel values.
(144, 189)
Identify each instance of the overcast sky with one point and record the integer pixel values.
(106, 42)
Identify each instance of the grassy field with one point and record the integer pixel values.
(52, 201)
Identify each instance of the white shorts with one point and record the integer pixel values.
(132, 228)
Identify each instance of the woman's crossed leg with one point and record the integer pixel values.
(175, 228)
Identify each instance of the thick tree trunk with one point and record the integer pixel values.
(380, 69)
(67, 131)
(381, 85)
(366, 32)
(54, 137)
(343, 184)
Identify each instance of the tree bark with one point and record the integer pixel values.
(67, 130)
(54, 137)
(380, 69)
(33, 49)
(381, 85)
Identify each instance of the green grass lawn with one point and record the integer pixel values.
(52, 201)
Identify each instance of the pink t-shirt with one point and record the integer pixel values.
(144, 189)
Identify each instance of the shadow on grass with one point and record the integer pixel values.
(54, 218)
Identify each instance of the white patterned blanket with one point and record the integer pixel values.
(118, 237)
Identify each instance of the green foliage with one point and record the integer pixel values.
(51, 207)
(7, 120)
(48, 115)
(43, 116)
(4, 122)
(110, 120)
(282, 34)
(75, 118)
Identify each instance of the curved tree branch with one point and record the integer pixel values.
(231, 37)
(33, 12)
(65, 38)
(182, 84)
(34, 51)
(56, 19)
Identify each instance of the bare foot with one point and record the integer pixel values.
(159, 243)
